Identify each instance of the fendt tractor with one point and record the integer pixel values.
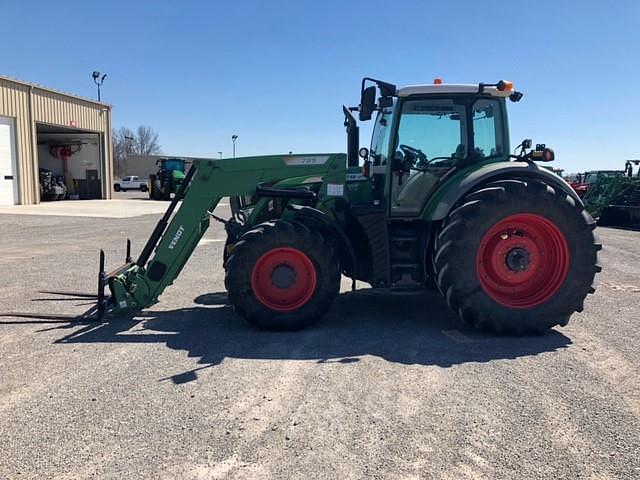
(437, 201)
(167, 179)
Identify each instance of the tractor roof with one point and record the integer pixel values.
(451, 88)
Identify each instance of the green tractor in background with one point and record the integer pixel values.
(615, 200)
(168, 178)
(437, 201)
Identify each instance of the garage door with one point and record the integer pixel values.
(8, 181)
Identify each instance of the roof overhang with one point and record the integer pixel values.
(436, 89)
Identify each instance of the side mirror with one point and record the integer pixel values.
(526, 143)
(367, 103)
(364, 153)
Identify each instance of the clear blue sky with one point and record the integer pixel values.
(276, 73)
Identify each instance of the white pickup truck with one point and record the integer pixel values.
(130, 183)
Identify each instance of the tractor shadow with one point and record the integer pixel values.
(407, 330)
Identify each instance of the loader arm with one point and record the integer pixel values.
(175, 237)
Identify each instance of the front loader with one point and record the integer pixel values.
(438, 200)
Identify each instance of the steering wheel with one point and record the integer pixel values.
(416, 153)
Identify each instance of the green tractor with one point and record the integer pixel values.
(437, 201)
(615, 199)
(168, 178)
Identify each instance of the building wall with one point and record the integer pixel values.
(14, 102)
(140, 165)
(30, 104)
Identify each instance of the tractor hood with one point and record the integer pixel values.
(177, 175)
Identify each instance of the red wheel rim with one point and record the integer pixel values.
(283, 279)
(522, 261)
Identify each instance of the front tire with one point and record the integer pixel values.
(516, 257)
(282, 276)
(166, 190)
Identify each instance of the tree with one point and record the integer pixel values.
(144, 141)
(147, 141)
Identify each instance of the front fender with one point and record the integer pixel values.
(461, 183)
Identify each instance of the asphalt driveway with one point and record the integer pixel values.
(383, 387)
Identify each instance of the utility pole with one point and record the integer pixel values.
(233, 139)
(129, 143)
(98, 81)
(124, 164)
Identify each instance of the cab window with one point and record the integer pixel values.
(487, 129)
(434, 127)
(380, 137)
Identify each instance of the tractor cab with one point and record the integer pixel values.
(628, 168)
(422, 134)
(171, 164)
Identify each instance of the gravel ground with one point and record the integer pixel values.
(383, 387)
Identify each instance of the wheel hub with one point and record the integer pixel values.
(283, 276)
(518, 259)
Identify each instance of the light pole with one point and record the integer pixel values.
(220, 153)
(233, 139)
(129, 140)
(98, 81)
(127, 151)
(129, 145)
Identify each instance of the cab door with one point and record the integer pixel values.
(431, 139)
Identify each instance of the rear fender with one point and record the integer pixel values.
(456, 187)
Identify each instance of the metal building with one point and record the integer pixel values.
(64, 134)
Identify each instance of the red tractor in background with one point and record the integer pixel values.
(581, 182)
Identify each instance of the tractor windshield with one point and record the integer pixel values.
(174, 164)
(440, 128)
(434, 127)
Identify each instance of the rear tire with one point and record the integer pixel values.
(516, 257)
(156, 190)
(282, 276)
(117, 187)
